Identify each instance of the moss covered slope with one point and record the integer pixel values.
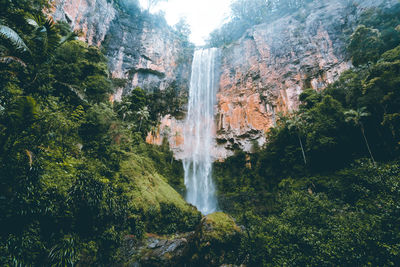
(164, 209)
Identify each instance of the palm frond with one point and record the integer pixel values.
(32, 22)
(363, 112)
(11, 59)
(35, 21)
(69, 37)
(45, 35)
(11, 36)
(40, 39)
(53, 38)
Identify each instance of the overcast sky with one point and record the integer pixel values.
(203, 16)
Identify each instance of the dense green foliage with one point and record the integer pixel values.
(77, 179)
(215, 241)
(74, 166)
(324, 189)
(341, 218)
(377, 32)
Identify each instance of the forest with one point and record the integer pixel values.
(69, 158)
(324, 189)
(77, 177)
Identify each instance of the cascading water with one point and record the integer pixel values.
(199, 128)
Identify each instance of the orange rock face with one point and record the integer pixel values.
(171, 129)
(264, 72)
(240, 113)
(91, 17)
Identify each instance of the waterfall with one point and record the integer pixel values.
(199, 131)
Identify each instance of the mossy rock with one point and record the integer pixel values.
(162, 209)
(163, 250)
(217, 241)
(218, 226)
(147, 187)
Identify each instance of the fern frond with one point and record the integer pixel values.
(53, 38)
(35, 21)
(69, 37)
(10, 59)
(32, 22)
(11, 36)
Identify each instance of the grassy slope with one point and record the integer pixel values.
(147, 187)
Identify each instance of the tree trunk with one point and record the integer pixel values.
(366, 142)
(302, 149)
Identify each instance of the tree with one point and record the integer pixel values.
(251, 11)
(16, 50)
(286, 6)
(298, 123)
(153, 3)
(39, 47)
(97, 88)
(122, 109)
(33, 49)
(355, 116)
(183, 29)
(80, 72)
(143, 114)
(17, 118)
(365, 45)
(309, 98)
(138, 99)
(64, 253)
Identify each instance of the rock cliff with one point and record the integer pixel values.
(141, 48)
(264, 72)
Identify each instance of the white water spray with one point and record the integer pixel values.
(198, 136)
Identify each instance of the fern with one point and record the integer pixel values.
(11, 59)
(11, 36)
(32, 22)
(69, 37)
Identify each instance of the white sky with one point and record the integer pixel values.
(203, 16)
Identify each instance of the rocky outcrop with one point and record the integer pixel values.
(156, 250)
(265, 71)
(215, 242)
(91, 17)
(142, 49)
(171, 129)
(148, 53)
